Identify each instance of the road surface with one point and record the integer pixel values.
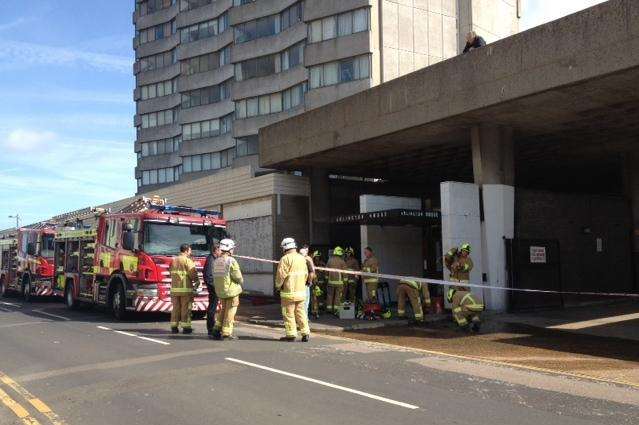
(61, 367)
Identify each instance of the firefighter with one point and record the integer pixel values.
(184, 283)
(450, 258)
(311, 275)
(208, 281)
(291, 279)
(414, 291)
(335, 280)
(370, 265)
(319, 285)
(227, 279)
(351, 280)
(466, 308)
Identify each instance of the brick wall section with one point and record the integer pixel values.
(547, 215)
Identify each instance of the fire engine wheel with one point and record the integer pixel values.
(69, 300)
(26, 289)
(118, 302)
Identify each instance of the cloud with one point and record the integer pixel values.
(16, 23)
(27, 140)
(537, 12)
(16, 54)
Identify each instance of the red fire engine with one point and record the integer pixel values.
(123, 263)
(27, 262)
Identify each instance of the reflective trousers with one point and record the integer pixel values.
(225, 318)
(333, 297)
(371, 290)
(315, 305)
(350, 290)
(210, 311)
(405, 291)
(295, 318)
(466, 308)
(181, 313)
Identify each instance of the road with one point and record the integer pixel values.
(61, 367)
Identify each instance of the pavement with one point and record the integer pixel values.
(79, 367)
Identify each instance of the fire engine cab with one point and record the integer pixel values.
(27, 262)
(123, 263)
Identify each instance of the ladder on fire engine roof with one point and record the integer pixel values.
(159, 204)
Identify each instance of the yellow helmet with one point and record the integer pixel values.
(350, 251)
(316, 254)
(338, 251)
(465, 247)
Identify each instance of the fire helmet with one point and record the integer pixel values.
(288, 243)
(227, 245)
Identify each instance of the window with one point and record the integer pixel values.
(242, 2)
(158, 61)
(270, 103)
(209, 128)
(293, 56)
(208, 161)
(331, 73)
(204, 29)
(291, 16)
(157, 32)
(163, 88)
(258, 28)
(160, 118)
(206, 95)
(271, 64)
(112, 233)
(151, 6)
(160, 176)
(202, 63)
(339, 25)
(193, 4)
(159, 147)
(247, 146)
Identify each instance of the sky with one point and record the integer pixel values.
(66, 109)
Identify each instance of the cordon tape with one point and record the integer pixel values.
(448, 282)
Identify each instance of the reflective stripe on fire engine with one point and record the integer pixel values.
(130, 263)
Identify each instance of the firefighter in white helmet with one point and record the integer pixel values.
(227, 279)
(292, 275)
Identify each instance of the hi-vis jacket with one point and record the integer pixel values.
(184, 277)
(292, 274)
(336, 278)
(227, 277)
(461, 269)
(370, 265)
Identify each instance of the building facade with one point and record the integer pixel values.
(211, 73)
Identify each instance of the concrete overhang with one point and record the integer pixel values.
(572, 82)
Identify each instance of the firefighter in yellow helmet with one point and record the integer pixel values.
(414, 291)
(184, 282)
(351, 280)
(466, 309)
(291, 278)
(319, 285)
(370, 265)
(228, 280)
(335, 280)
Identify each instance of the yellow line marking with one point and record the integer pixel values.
(17, 409)
(33, 400)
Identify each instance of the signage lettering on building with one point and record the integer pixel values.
(538, 255)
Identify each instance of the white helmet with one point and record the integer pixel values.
(226, 245)
(288, 243)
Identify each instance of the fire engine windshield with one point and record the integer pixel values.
(47, 246)
(165, 239)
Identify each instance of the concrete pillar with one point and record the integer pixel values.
(631, 174)
(320, 208)
(494, 173)
(461, 223)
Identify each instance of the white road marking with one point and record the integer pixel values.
(11, 304)
(596, 322)
(157, 341)
(51, 315)
(326, 384)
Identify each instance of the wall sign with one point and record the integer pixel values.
(538, 255)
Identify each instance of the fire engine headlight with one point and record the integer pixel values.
(147, 293)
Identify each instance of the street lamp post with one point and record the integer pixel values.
(17, 217)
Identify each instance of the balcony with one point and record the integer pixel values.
(204, 13)
(270, 84)
(269, 45)
(259, 9)
(206, 145)
(207, 112)
(205, 45)
(205, 79)
(157, 46)
(337, 48)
